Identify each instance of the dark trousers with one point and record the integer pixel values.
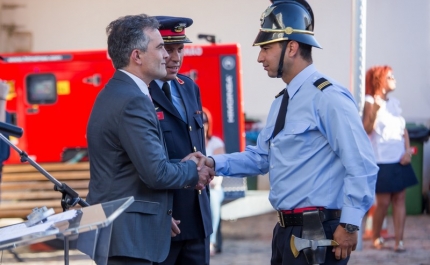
(121, 260)
(281, 249)
(188, 252)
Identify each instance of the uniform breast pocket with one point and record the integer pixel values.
(298, 139)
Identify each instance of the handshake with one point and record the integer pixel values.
(205, 168)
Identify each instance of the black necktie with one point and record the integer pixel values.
(280, 120)
(166, 90)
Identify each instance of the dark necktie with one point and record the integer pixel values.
(166, 90)
(280, 120)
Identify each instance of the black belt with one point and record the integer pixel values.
(296, 219)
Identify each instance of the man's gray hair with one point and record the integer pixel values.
(126, 34)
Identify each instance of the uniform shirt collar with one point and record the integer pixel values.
(160, 83)
(139, 82)
(299, 79)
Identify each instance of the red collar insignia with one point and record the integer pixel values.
(180, 81)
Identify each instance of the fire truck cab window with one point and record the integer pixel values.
(41, 89)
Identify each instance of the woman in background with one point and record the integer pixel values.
(214, 146)
(386, 128)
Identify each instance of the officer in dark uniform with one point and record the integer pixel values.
(177, 102)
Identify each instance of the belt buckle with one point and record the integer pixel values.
(281, 219)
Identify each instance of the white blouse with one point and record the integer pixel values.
(387, 137)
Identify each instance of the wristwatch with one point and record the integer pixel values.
(350, 228)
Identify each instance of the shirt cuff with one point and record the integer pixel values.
(352, 216)
(214, 161)
(219, 164)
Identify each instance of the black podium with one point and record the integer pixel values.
(88, 229)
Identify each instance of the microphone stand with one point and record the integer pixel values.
(69, 198)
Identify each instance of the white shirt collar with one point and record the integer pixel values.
(139, 82)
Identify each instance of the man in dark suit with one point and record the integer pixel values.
(179, 109)
(127, 150)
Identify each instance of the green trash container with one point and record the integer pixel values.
(418, 134)
(251, 182)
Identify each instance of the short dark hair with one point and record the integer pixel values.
(305, 52)
(126, 34)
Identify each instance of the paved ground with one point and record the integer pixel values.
(247, 241)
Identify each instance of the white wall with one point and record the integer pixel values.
(397, 34)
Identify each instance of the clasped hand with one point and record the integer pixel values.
(205, 168)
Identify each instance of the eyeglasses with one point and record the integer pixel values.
(390, 77)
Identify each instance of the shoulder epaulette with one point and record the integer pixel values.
(280, 93)
(180, 81)
(322, 83)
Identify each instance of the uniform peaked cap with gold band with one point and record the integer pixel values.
(287, 20)
(172, 29)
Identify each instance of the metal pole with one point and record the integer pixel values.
(66, 250)
(358, 64)
(358, 51)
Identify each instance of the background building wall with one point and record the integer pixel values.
(397, 34)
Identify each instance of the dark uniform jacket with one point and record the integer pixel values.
(189, 206)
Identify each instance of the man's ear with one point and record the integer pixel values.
(136, 57)
(292, 48)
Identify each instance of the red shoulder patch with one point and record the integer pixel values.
(180, 81)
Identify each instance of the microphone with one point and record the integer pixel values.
(9, 129)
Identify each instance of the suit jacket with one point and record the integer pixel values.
(128, 158)
(182, 138)
(4, 147)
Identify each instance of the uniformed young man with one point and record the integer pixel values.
(321, 164)
(177, 102)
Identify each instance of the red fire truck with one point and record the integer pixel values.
(52, 94)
